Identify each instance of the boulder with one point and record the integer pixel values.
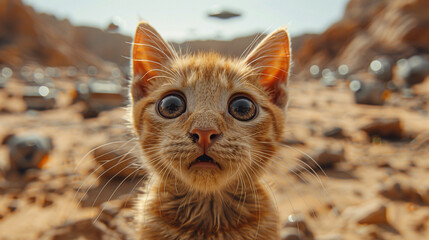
(85, 229)
(335, 132)
(390, 128)
(369, 213)
(323, 158)
(400, 191)
(296, 229)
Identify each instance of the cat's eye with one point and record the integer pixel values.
(171, 106)
(242, 108)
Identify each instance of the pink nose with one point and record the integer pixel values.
(204, 137)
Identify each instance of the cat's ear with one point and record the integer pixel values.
(271, 60)
(150, 55)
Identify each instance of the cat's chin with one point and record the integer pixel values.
(204, 174)
(205, 179)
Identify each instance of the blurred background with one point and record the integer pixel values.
(355, 161)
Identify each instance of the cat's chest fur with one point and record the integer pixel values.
(219, 216)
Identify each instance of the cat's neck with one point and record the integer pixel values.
(240, 204)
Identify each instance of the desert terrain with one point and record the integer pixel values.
(344, 170)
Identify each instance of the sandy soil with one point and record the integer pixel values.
(373, 188)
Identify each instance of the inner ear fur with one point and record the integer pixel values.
(271, 60)
(150, 55)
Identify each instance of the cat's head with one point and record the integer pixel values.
(206, 120)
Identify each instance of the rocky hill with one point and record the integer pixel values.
(368, 29)
(29, 37)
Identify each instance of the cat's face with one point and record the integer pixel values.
(205, 120)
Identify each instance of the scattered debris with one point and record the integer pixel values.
(369, 213)
(334, 236)
(85, 229)
(328, 78)
(423, 191)
(421, 141)
(290, 234)
(389, 128)
(100, 95)
(39, 97)
(325, 158)
(315, 71)
(343, 71)
(335, 132)
(292, 140)
(368, 92)
(413, 70)
(112, 27)
(399, 191)
(5, 74)
(28, 152)
(296, 229)
(382, 69)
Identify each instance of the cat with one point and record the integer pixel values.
(208, 127)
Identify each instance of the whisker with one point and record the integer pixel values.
(103, 145)
(113, 193)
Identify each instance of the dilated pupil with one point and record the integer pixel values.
(242, 106)
(171, 106)
(242, 109)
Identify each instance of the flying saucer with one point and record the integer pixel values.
(224, 14)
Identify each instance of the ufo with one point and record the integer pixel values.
(224, 14)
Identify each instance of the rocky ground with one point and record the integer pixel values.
(372, 182)
(344, 170)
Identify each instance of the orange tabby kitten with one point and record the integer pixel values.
(208, 127)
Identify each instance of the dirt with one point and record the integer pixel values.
(73, 198)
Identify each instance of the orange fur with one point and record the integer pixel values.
(229, 202)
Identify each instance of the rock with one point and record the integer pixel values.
(110, 209)
(389, 128)
(423, 191)
(368, 91)
(84, 229)
(28, 152)
(382, 69)
(14, 205)
(325, 158)
(413, 70)
(296, 229)
(291, 234)
(335, 132)
(370, 213)
(373, 215)
(421, 141)
(328, 158)
(335, 236)
(292, 141)
(399, 191)
(47, 201)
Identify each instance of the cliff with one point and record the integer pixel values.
(369, 29)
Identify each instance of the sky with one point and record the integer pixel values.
(180, 20)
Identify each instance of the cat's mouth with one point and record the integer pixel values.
(204, 161)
